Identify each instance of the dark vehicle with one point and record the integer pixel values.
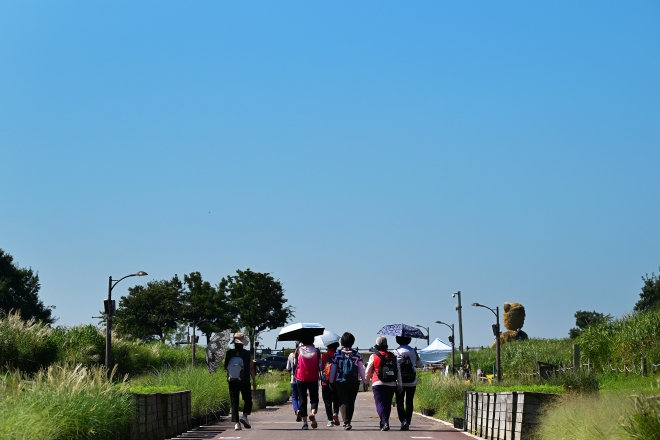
(271, 363)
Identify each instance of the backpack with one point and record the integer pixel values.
(386, 367)
(349, 370)
(326, 371)
(408, 373)
(307, 365)
(235, 368)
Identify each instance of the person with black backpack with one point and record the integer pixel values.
(240, 368)
(385, 375)
(345, 373)
(408, 361)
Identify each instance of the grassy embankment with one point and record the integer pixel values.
(596, 405)
(52, 385)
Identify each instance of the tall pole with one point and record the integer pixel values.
(453, 348)
(497, 344)
(459, 307)
(110, 311)
(108, 328)
(192, 341)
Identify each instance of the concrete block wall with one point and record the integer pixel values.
(504, 416)
(161, 416)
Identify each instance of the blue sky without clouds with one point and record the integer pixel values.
(373, 156)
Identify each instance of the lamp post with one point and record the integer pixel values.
(428, 334)
(460, 323)
(453, 362)
(496, 332)
(109, 313)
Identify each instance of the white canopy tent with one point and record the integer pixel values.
(436, 352)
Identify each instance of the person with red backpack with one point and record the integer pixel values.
(308, 367)
(385, 380)
(329, 394)
(345, 373)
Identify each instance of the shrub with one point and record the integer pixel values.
(644, 420)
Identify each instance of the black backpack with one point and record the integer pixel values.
(387, 368)
(408, 373)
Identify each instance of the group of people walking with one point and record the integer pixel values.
(341, 372)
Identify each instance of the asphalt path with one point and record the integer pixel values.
(279, 423)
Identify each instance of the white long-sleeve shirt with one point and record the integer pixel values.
(406, 350)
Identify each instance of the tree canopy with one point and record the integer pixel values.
(585, 319)
(151, 311)
(649, 298)
(206, 305)
(259, 301)
(19, 291)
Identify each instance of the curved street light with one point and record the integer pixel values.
(109, 313)
(496, 333)
(428, 342)
(453, 361)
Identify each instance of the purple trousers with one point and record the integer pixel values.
(383, 396)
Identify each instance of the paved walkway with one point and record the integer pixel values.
(279, 423)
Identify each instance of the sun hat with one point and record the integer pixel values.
(239, 338)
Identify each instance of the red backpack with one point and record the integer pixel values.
(307, 369)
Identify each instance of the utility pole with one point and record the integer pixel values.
(460, 324)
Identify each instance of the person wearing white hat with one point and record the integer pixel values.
(237, 362)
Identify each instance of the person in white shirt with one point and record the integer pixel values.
(291, 367)
(408, 361)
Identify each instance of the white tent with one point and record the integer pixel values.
(436, 352)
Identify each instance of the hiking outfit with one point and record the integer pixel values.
(238, 364)
(385, 377)
(308, 360)
(291, 367)
(346, 371)
(408, 362)
(330, 398)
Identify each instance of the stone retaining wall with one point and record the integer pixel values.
(503, 416)
(161, 416)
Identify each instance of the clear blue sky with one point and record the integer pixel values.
(374, 157)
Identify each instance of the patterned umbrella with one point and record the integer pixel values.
(215, 351)
(402, 330)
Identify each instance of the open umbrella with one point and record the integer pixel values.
(402, 330)
(215, 351)
(293, 332)
(326, 339)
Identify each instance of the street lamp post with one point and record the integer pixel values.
(109, 313)
(460, 323)
(496, 332)
(428, 334)
(453, 361)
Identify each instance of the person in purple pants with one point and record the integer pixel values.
(385, 377)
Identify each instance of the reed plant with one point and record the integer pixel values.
(25, 345)
(622, 342)
(63, 402)
(277, 386)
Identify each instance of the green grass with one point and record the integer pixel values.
(62, 403)
(208, 392)
(25, 345)
(275, 384)
(443, 394)
(162, 389)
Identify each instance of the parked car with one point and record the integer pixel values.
(271, 363)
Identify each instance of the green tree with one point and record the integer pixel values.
(585, 319)
(19, 291)
(258, 300)
(151, 311)
(649, 298)
(206, 305)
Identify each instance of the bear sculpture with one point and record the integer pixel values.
(514, 319)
